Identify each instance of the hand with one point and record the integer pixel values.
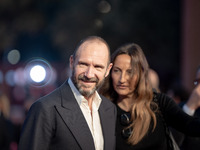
(194, 101)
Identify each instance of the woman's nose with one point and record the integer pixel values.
(122, 78)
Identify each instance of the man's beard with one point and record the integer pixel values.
(86, 93)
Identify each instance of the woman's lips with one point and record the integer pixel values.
(122, 86)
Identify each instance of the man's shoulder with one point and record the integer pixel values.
(54, 96)
(47, 100)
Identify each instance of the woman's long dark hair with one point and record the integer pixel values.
(141, 112)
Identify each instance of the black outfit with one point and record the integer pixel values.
(187, 142)
(157, 140)
(192, 143)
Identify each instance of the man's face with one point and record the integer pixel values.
(197, 80)
(90, 67)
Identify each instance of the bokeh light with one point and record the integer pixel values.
(104, 7)
(13, 57)
(38, 72)
(19, 77)
(9, 77)
(1, 77)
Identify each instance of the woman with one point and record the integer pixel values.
(143, 115)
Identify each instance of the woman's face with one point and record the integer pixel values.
(123, 77)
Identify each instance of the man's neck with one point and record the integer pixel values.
(90, 100)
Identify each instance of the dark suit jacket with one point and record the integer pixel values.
(56, 122)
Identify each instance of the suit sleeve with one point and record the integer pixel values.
(37, 129)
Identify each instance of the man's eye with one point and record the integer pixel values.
(99, 67)
(82, 64)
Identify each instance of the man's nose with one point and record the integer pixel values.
(89, 73)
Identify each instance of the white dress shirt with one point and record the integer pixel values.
(92, 118)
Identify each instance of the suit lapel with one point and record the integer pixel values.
(74, 119)
(107, 123)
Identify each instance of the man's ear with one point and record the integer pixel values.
(71, 62)
(108, 69)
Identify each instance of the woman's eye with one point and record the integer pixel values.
(129, 72)
(115, 70)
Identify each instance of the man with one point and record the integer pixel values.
(74, 116)
(154, 79)
(193, 103)
(192, 107)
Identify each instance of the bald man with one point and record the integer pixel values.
(75, 116)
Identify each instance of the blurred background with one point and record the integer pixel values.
(38, 36)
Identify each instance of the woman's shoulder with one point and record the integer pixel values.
(162, 99)
(159, 97)
(166, 105)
